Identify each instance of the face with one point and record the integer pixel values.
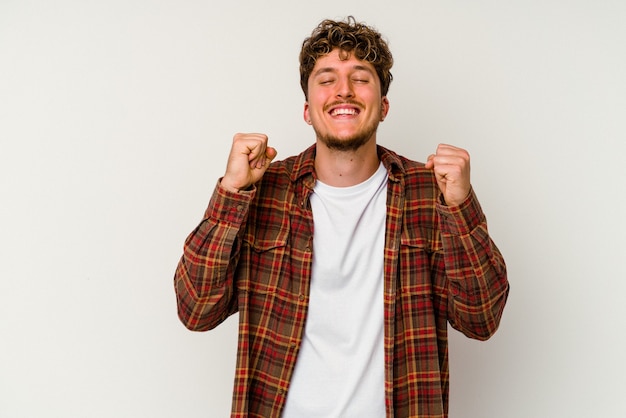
(345, 104)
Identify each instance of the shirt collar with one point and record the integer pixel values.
(392, 163)
(305, 164)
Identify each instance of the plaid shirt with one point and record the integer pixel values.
(252, 254)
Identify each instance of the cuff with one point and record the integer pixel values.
(227, 206)
(461, 219)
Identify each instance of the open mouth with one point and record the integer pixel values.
(344, 111)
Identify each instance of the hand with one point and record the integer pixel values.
(248, 160)
(451, 166)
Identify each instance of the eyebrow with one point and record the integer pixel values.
(356, 67)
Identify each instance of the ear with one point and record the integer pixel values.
(306, 115)
(384, 108)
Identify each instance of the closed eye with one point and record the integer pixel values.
(361, 76)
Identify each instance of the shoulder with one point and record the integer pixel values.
(288, 172)
(410, 173)
(286, 178)
(280, 174)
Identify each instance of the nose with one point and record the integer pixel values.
(344, 89)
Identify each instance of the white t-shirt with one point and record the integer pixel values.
(340, 371)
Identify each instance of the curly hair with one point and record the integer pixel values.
(350, 36)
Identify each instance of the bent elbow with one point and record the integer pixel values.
(483, 323)
(192, 324)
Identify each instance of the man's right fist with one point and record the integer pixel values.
(249, 158)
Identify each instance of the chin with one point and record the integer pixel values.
(349, 142)
(345, 144)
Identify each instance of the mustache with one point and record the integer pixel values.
(344, 102)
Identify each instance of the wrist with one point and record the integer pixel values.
(224, 183)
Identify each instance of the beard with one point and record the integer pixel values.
(351, 143)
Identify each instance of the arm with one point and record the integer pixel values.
(205, 277)
(477, 285)
(476, 281)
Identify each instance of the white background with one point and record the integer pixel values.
(116, 118)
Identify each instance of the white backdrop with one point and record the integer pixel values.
(116, 118)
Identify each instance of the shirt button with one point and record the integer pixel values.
(301, 297)
(239, 208)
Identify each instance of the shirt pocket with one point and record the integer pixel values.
(418, 254)
(266, 254)
(264, 274)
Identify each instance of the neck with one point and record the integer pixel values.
(346, 168)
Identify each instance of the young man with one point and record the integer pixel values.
(346, 262)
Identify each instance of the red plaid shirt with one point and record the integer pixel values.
(252, 254)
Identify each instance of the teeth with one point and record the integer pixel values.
(343, 111)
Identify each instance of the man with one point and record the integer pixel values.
(346, 262)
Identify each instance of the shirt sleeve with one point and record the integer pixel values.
(475, 270)
(204, 277)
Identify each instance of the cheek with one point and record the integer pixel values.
(315, 107)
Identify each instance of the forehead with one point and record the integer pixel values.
(338, 60)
